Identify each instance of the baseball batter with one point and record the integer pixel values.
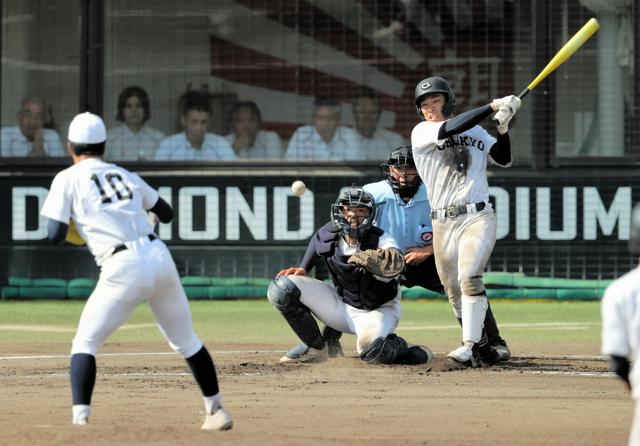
(621, 326)
(405, 214)
(451, 155)
(360, 300)
(108, 205)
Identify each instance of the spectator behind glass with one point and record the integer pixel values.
(325, 139)
(247, 139)
(195, 144)
(374, 140)
(30, 138)
(134, 140)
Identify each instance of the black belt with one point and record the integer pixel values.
(454, 211)
(119, 248)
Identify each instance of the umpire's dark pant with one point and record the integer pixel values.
(425, 275)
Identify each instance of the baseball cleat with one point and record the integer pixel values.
(501, 347)
(335, 350)
(218, 421)
(81, 421)
(463, 357)
(81, 414)
(488, 354)
(297, 351)
(309, 355)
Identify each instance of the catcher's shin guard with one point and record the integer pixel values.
(285, 296)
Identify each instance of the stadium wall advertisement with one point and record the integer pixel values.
(545, 225)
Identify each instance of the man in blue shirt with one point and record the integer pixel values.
(405, 215)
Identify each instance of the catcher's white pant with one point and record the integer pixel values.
(368, 325)
(462, 247)
(144, 271)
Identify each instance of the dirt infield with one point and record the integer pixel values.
(151, 399)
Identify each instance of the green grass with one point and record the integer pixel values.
(257, 322)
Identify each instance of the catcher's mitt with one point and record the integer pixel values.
(387, 263)
(72, 235)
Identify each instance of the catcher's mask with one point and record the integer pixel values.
(400, 158)
(634, 234)
(353, 198)
(432, 85)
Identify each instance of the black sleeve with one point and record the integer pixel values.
(310, 256)
(57, 231)
(464, 121)
(620, 366)
(162, 210)
(501, 150)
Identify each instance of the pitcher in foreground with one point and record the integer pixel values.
(108, 206)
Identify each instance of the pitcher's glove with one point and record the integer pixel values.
(386, 263)
(73, 236)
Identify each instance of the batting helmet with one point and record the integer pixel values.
(432, 85)
(401, 157)
(353, 197)
(634, 233)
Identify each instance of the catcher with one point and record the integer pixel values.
(364, 297)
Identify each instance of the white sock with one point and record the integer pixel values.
(81, 412)
(212, 403)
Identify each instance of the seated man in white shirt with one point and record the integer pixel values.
(247, 138)
(325, 139)
(195, 144)
(134, 140)
(375, 140)
(30, 138)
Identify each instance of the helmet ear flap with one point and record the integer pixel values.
(449, 106)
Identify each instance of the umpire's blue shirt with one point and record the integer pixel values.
(408, 223)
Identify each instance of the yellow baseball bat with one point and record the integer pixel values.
(579, 38)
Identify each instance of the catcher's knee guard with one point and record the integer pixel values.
(283, 293)
(385, 350)
(285, 296)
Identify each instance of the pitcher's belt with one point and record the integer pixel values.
(119, 248)
(454, 211)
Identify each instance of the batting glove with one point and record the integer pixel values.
(502, 119)
(507, 108)
(511, 101)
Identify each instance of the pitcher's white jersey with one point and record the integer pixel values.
(106, 202)
(434, 158)
(621, 323)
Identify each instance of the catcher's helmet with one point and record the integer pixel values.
(400, 157)
(634, 233)
(435, 85)
(353, 197)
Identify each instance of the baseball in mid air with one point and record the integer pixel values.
(298, 188)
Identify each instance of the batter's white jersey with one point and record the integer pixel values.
(621, 323)
(106, 202)
(434, 159)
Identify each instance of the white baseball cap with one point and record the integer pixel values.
(87, 128)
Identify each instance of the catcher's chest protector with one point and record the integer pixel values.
(357, 287)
